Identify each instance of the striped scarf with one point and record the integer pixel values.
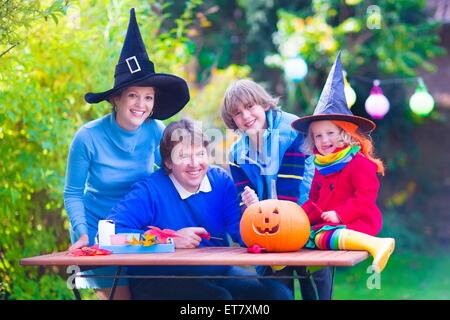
(288, 179)
(335, 161)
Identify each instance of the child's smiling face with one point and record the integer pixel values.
(250, 117)
(326, 136)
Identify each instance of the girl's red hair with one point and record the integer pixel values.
(366, 144)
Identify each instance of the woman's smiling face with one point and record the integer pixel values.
(133, 106)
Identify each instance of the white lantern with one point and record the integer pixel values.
(295, 69)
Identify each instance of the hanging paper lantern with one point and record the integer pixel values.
(421, 102)
(350, 94)
(295, 69)
(352, 2)
(377, 105)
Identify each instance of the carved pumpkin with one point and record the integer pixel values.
(276, 225)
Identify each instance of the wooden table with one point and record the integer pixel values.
(205, 256)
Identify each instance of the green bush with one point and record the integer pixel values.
(42, 84)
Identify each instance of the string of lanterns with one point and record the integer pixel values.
(376, 105)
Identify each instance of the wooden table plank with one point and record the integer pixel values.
(205, 256)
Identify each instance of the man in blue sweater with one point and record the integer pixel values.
(188, 196)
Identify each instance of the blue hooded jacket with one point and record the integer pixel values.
(278, 171)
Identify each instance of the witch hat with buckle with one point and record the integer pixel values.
(135, 69)
(332, 104)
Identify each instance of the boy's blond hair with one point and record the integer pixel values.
(245, 91)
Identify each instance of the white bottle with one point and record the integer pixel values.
(106, 228)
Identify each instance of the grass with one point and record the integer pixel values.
(408, 276)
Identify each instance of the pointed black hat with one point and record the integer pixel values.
(135, 69)
(332, 104)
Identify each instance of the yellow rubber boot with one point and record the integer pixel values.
(277, 268)
(380, 248)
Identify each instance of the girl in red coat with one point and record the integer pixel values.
(342, 206)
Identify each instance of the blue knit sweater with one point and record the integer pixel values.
(104, 162)
(156, 202)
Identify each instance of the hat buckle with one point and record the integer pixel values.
(127, 60)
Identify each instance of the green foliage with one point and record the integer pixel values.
(407, 235)
(42, 83)
(17, 18)
(237, 32)
(208, 99)
(395, 37)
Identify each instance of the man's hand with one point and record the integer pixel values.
(330, 216)
(189, 237)
(83, 241)
(249, 196)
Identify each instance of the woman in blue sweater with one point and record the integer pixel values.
(193, 199)
(111, 153)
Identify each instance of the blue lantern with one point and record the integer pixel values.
(295, 69)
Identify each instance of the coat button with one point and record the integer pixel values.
(331, 186)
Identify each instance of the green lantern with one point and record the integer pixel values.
(421, 102)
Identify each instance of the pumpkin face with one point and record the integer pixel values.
(276, 225)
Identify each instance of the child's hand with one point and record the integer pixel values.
(249, 196)
(188, 237)
(330, 216)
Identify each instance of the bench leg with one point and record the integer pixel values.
(76, 292)
(314, 282)
(116, 279)
(333, 270)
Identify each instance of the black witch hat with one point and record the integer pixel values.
(135, 69)
(332, 104)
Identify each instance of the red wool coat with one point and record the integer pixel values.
(351, 192)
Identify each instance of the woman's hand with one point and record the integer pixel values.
(83, 241)
(330, 216)
(249, 196)
(189, 237)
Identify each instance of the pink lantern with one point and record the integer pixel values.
(377, 105)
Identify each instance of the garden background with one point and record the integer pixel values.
(53, 52)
